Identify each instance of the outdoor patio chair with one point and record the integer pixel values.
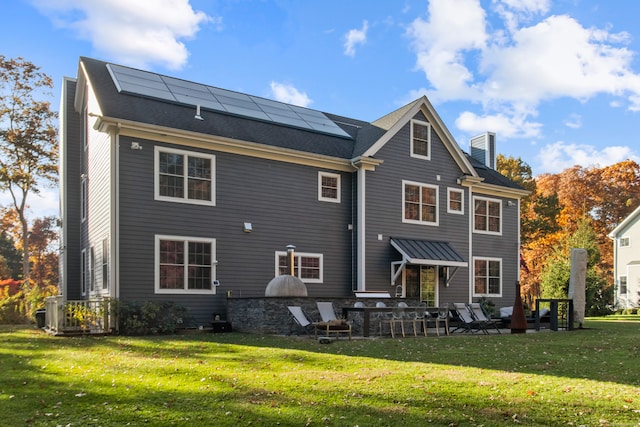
(443, 316)
(422, 316)
(331, 324)
(465, 320)
(481, 316)
(384, 318)
(299, 318)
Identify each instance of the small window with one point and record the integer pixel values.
(625, 242)
(83, 198)
(420, 140)
(184, 265)
(487, 277)
(83, 272)
(487, 215)
(420, 203)
(622, 281)
(455, 202)
(184, 177)
(92, 270)
(308, 267)
(105, 264)
(328, 187)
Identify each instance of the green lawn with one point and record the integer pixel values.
(589, 377)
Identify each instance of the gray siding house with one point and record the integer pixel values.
(174, 190)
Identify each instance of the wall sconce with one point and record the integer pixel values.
(248, 228)
(511, 203)
(136, 146)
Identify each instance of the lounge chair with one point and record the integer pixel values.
(465, 320)
(299, 318)
(482, 317)
(330, 322)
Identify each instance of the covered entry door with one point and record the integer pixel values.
(421, 281)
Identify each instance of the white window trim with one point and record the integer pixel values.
(620, 285)
(622, 239)
(156, 176)
(92, 271)
(338, 183)
(104, 265)
(494, 233)
(473, 279)
(413, 221)
(184, 290)
(83, 272)
(299, 255)
(461, 192)
(428, 125)
(84, 196)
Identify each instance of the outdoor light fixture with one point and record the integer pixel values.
(248, 227)
(136, 146)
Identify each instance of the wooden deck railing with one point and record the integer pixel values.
(93, 316)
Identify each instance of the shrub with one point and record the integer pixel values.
(150, 318)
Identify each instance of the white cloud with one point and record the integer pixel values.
(556, 157)
(45, 203)
(574, 121)
(136, 33)
(503, 125)
(509, 73)
(287, 93)
(355, 37)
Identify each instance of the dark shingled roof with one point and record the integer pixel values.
(142, 109)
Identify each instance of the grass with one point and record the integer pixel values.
(589, 377)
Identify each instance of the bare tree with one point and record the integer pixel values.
(28, 154)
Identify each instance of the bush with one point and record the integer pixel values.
(150, 318)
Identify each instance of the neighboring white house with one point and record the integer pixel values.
(626, 261)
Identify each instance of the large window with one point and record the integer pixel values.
(92, 270)
(183, 176)
(487, 277)
(622, 280)
(455, 201)
(308, 267)
(420, 203)
(420, 140)
(329, 187)
(487, 215)
(184, 265)
(83, 198)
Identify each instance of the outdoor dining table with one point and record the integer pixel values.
(366, 313)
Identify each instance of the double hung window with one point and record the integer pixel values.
(184, 264)
(420, 203)
(487, 215)
(455, 202)
(183, 176)
(487, 277)
(328, 187)
(420, 140)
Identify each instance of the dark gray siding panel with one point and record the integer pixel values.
(384, 210)
(504, 247)
(279, 199)
(71, 209)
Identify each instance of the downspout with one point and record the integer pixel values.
(361, 240)
(114, 235)
(471, 262)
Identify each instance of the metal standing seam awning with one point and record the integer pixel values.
(427, 252)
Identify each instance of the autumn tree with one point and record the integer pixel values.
(10, 258)
(28, 155)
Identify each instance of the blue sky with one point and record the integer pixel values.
(557, 81)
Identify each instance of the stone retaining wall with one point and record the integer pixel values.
(270, 315)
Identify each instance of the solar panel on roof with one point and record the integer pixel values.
(138, 82)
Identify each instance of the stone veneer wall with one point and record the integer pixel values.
(269, 315)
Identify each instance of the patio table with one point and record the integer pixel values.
(366, 313)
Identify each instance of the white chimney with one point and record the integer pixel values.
(483, 149)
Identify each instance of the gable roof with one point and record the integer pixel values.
(629, 220)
